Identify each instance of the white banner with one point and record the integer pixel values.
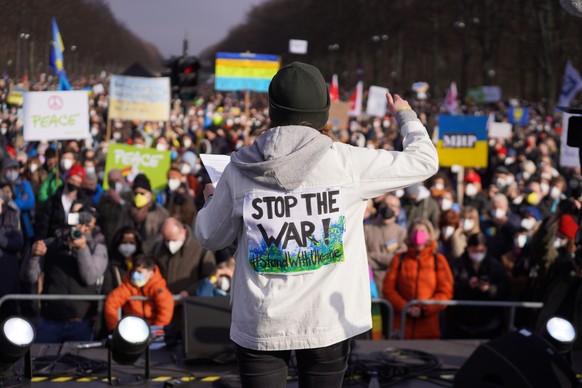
(58, 115)
(376, 101)
(568, 155)
(297, 46)
(500, 130)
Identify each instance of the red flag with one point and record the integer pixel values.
(356, 100)
(334, 89)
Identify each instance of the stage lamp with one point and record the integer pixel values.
(129, 341)
(561, 333)
(16, 338)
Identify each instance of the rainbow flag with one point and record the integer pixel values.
(244, 71)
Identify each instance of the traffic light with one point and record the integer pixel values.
(188, 77)
(172, 71)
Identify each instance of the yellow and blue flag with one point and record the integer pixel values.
(244, 71)
(57, 61)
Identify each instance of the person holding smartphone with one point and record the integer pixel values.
(478, 276)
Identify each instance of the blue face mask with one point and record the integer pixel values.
(138, 279)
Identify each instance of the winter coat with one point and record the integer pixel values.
(11, 243)
(184, 269)
(421, 275)
(150, 228)
(302, 278)
(157, 312)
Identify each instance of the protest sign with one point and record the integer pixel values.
(139, 98)
(244, 71)
(376, 101)
(133, 161)
(297, 231)
(339, 115)
(569, 156)
(462, 140)
(500, 130)
(297, 46)
(56, 115)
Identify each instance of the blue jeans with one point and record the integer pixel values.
(318, 368)
(50, 331)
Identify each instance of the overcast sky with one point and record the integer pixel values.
(164, 22)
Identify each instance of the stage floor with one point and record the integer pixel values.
(68, 364)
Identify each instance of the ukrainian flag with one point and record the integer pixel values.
(244, 71)
(57, 60)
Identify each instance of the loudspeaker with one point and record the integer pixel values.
(518, 359)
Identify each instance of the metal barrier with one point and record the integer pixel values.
(81, 298)
(475, 303)
(389, 322)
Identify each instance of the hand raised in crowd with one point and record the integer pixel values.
(38, 248)
(208, 190)
(396, 103)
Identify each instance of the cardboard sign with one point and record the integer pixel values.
(53, 115)
(139, 98)
(462, 140)
(339, 114)
(133, 161)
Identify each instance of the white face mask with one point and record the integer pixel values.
(477, 257)
(545, 188)
(559, 242)
(555, 192)
(471, 190)
(399, 193)
(446, 204)
(499, 213)
(90, 170)
(173, 184)
(127, 249)
(118, 187)
(448, 231)
(174, 246)
(520, 240)
(33, 168)
(11, 175)
(187, 143)
(528, 223)
(439, 186)
(161, 147)
(185, 169)
(66, 164)
(468, 224)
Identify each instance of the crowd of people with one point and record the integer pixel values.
(511, 237)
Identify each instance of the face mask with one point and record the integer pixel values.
(101, 175)
(94, 131)
(498, 213)
(33, 168)
(140, 200)
(3, 130)
(477, 257)
(187, 143)
(11, 175)
(173, 184)
(509, 180)
(71, 188)
(545, 188)
(161, 147)
(555, 192)
(386, 212)
(446, 204)
(174, 246)
(448, 231)
(559, 242)
(439, 186)
(520, 240)
(138, 279)
(528, 223)
(419, 238)
(471, 190)
(185, 169)
(468, 224)
(399, 193)
(127, 249)
(500, 183)
(66, 164)
(116, 135)
(90, 170)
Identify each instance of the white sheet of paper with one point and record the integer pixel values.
(215, 165)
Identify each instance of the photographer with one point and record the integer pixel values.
(73, 262)
(558, 266)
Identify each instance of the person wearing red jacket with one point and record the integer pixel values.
(143, 280)
(420, 274)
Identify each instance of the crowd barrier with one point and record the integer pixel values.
(384, 304)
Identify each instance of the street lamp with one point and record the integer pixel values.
(73, 59)
(378, 39)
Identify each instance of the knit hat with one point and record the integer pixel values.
(472, 177)
(298, 93)
(78, 171)
(567, 226)
(141, 180)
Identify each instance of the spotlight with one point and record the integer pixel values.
(16, 338)
(130, 339)
(561, 333)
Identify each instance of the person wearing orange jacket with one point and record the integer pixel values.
(143, 280)
(420, 274)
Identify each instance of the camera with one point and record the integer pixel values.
(76, 233)
(83, 218)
